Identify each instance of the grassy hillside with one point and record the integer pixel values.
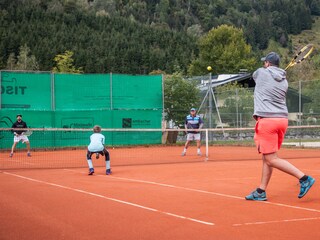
(309, 36)
(310, 68)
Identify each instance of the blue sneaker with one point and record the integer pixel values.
(91, 171)
(108, 172)
(257, 196)
(305, 186)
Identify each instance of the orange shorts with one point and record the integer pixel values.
(269, 134)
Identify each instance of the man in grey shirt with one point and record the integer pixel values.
(271, 114)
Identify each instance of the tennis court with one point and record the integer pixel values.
(177, 198)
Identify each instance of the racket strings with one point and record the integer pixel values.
(301, 55)
(304, 53)
(28, 133)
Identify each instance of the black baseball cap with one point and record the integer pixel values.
(273, 58)
(19, 115)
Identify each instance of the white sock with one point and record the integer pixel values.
(90, 163)
(184, 150)
(198, 150)
(107, 164)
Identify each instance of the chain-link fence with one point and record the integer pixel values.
(234, 108)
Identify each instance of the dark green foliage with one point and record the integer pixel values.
(314, 7)
(179, 96)
(99, 43)
(225, 50)
(134, 36)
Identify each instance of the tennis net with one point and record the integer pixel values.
(67, 148)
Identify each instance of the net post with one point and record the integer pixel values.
(300, 109)
(0, 85)
(111, 91)
(207, 145)
(53, 97)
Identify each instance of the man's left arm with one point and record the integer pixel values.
(24, 126)
(200, 123)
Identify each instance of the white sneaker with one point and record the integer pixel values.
(199, 153)
(183, 153)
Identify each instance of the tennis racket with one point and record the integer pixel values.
(189, 126)
(27, 133)
(301, 55)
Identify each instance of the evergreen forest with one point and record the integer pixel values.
(139, 37)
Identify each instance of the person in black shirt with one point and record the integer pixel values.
(18, 135)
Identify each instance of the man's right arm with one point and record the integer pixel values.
(186, 123)
(103, 140)
(256, 74)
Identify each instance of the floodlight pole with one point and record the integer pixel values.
(210, 101)
(217, 108)
(210, 95)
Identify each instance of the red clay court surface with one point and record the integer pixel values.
(187, 200)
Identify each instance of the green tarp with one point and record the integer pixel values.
(48, 100)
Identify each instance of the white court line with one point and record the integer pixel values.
(206, 192)
(111, 199)
(164, 185)
(279, 221)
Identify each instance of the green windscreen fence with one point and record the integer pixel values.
(107, 91)
(143, 92)
(110, 119)
(48, 100)
(21, 90)
(82, 91)
(49, 91)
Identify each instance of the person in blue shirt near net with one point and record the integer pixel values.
(192, 125)
(97, 147)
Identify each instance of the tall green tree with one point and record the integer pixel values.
(11, 62)
(225, 49)
(179, 96)
(25, 60)
(64, 63)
